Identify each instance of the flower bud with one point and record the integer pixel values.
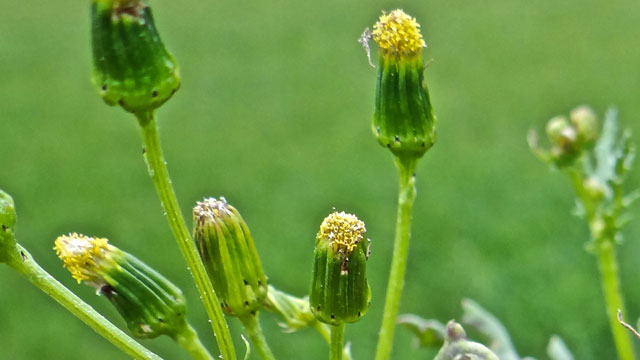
(229, 256)
(148, 302)
(131, 66)
(403, 120)
(457, 346)
(7, 226)
(339, 287)
(563, 138)
(585, 122)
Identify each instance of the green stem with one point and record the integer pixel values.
(160, 176)
(189, 341)
(613, 297)
(337, 340)
(256, 337)
(24, 263)
(406, 197)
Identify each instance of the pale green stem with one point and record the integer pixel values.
(337, 341)
(406, 197)
(323, 330)
(188, 340)
(160, 176)
(24, 263)
(256, 337)
(608, 266)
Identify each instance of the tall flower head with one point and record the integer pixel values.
(131, 66)
(149, 303)
(230, 257)
(403, 120)
(339, 287)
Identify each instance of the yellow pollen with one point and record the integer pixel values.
(398, 33)
(81, 254)
(343, 231)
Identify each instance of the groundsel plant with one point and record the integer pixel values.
(133, 69)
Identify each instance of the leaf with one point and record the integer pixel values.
(490, 326)
(457, 347)
(428, 333)
(558, 350)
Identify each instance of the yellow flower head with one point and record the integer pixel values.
(84, 256)
(343, 231)
(398, 34)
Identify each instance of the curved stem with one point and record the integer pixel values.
(160, 176)
(23, 263)
(337, 340)
(189, 341)
(256, 337)
(406, 197)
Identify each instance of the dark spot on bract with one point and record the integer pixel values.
(4, 227)
(333, 316)
(23, 255)
(245, 281)
(389, 145)
(104, 87)
(174, 91)
(359, 314)
(259, 283)
(154, 93)
(397, 138)
(423, 144)
(161, 320)
(246, 303)
(318, 308)
(144, 151)
(121, 103)
(253, 313)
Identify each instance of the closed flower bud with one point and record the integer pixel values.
(148, 302)
(131, 66)
(230, 257)
(403, 120)
(565, 147)
(339, 287)
(585, 122)
(7, 226)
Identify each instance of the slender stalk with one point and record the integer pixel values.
(189, 341)
(406, 197)
(256, 337)
(337, 340)
(24, 263)
(608, 266)
(160, 176)
(613, 298)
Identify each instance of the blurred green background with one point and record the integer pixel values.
(274, 114)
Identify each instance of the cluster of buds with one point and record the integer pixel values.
(403, 120)
(149, 303)
(339, 288)
(230, 257)
(131, 66)
(569, 138)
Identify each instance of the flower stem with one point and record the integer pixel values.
(189, 341)
(24, 263)
(604, 246)
(256, 337)
(337, 339)
(406, 197)
(160, 176)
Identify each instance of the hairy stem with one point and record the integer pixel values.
(406, 197)
(256, 337)
(160, 176)
(23, 263)
(337, 340)
(189, 341)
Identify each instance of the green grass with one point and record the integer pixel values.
(274, 114)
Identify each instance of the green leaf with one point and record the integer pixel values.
(558, 350)
(428, 333)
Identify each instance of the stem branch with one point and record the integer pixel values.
(337, 339)
(256, 337)
(189, 341)
(406, 197)
(160, 177)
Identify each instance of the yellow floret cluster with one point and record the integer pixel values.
(82, 255)
(343, 231)
(399, 34)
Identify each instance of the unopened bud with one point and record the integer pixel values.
(230, 257)
(131, 66)
(339, 287)
(563, 137)
(7, 226)
(149, 303)
(585, 122)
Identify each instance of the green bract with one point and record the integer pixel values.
(7, 226)
(230, 257)
(339, 287)
(131, 66)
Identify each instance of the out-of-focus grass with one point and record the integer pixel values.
(274, 114)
